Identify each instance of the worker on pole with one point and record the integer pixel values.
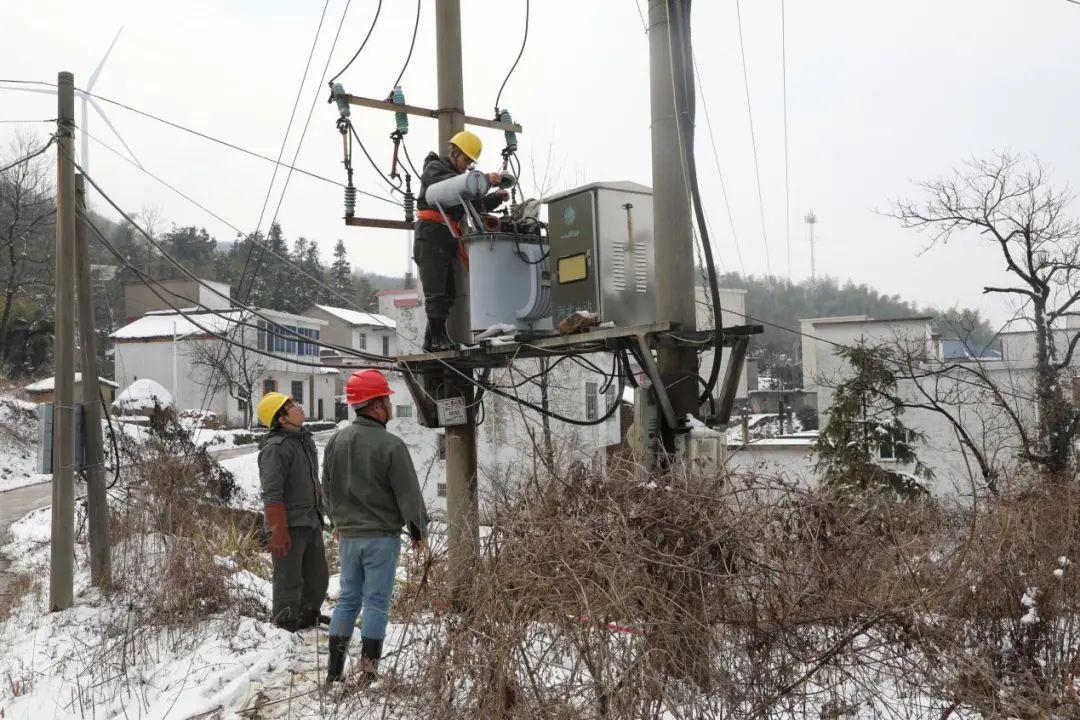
(293, 505)
(438, 230)
(372, 493)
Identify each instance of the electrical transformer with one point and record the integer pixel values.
(601, 252)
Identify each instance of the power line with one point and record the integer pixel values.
(412, 44)
(203, 135)
(367, 37)
(716, 159)
(296, 154)
(644, 25)
(787, 181)
(753, 139)
(285, 140)
(187, 272)
(31, 156)
(524, 39)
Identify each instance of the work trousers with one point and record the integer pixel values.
(368, 567)
(301, 577)
(435, 251)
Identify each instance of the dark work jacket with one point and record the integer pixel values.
(436, 169)
(370, 483)
(289, 474)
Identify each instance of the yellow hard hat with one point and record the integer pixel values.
(269, 405)
(468, 143)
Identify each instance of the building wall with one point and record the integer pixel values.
(792, 461)
(732, 312)
(140, 299)
(154, 359)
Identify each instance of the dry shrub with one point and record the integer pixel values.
(609, 597)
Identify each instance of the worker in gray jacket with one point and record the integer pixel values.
(372, 494)
(292, 503)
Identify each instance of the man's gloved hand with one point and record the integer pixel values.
(503, 195)
(280, 543)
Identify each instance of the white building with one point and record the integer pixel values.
(184, 353)
(370, 332)
(732, 312)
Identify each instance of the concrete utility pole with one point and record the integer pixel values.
(462, 496)
(672, 223)
(97, 510)
(62, 550)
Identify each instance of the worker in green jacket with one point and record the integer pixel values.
(293, 506)
(372, 494)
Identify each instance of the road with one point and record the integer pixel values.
(16, 503)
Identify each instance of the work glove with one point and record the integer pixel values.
(280, 543)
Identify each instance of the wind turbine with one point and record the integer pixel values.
(84, 152)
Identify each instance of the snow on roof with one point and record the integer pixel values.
(141, 394)
(165, 324)
(398, 291)
(355, 317)
(49, 383)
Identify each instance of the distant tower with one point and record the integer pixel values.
(811, 220)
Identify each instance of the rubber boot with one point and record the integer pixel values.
(427, 338)
(440, 340)
(309, 618)
(335, 664)
(370, 654)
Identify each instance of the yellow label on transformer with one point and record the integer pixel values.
(573, 268)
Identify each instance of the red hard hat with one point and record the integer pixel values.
(364, 385)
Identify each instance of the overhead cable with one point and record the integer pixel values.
(367, 37)
(524, 39)
(412, 44)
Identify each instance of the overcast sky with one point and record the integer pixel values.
(879, 94)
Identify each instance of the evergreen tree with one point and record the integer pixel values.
(340, 277)
(864, 423)
(273, 278)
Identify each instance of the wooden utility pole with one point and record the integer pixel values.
(462, 496)
(96, 507)
(672, 225)
(62, 550)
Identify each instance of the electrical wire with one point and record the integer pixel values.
(787, 174)
(416, 173)
(31, 156)
(367, 37)
(198, 133)
(284, 142)
(180, 266)
(381, 174)
(296, 153)
(716, 159)
(753, 139)
(524, 40)
(645, 25)
(412, 44)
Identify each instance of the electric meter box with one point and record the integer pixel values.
(601, 258)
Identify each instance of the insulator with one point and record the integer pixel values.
(511, 136)
(350, 200)
(398, 98)
(410, 205)
(341, 98)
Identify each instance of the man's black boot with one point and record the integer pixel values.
(427, 337)
(335, 665)
(370, 654)
(440, 340)
(309, 618)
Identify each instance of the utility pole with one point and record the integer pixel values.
(462, 496)
(672, 225)
(97, 510)
(811, 220)
(62, 549)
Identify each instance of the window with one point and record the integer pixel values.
(591, 406)
(440, 446)
(362, 342)
(241, 405)
(298, 391)
(269, 385)
(386, 345)
(888, 449)
(609, 398)
(440, 488)
(319, 415)
(403, 411)
(290, 339)
(262, 335)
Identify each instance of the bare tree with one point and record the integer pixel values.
(229, 368)
(1013, 206)
(26, 207)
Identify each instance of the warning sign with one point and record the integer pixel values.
(452, 411)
